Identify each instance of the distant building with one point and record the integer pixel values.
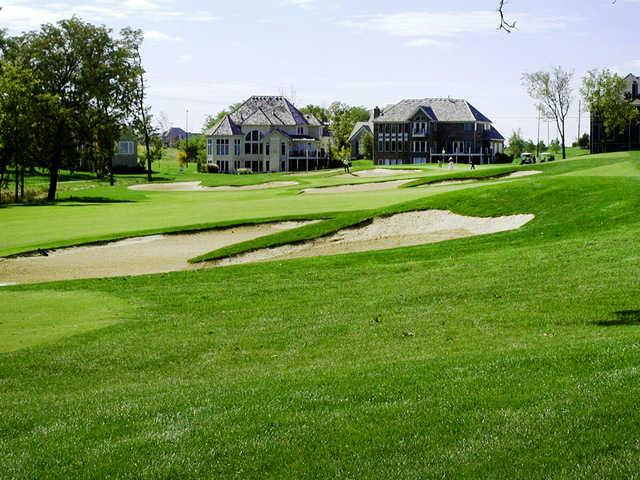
(359, 132)
(429, 129)
(173, 136)
(629, 139)
(268, 134)
(126, 153)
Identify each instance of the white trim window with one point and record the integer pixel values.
(253, 143)
(126, 147)
(209, 147)
(236, 147)
(222, 147)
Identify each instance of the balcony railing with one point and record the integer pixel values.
(420, 133)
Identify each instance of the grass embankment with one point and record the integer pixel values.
(513, 355)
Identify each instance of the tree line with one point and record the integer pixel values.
(604, 93)
(67, 93)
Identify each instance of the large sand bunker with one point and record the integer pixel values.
(358, 187)
(198, 187)
(135, 256)
(401, 230)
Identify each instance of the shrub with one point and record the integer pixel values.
(213, 168)
(244, 171)
(502, 158)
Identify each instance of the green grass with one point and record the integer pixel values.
(514, 355)
(59, 314)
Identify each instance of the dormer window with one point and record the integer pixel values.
(300, 130)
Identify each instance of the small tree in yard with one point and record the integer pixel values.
(367, 145)
(583, 141)
(553, 92)
(195, 150)
(604, 95)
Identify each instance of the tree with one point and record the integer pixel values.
(553, 92)
(516, 144)
(604, 96)
(142, 121)
(86, 89)
(317, 111)
(195, 150)
(584, 141)
(367, 145)
(343, 118)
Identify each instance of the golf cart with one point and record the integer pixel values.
(526, 159)
(547, 157)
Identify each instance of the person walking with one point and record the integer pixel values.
(450, 163)
(473, 165)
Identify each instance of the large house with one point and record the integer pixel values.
(173, 136)
(268, 134)
(629, 139)
(430, 129)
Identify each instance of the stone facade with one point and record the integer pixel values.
(268, 134)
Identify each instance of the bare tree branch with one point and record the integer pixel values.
(504, 24)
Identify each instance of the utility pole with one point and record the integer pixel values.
(187, 126)
(538, 144)
(579, 118)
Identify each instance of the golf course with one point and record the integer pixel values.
(504, 342)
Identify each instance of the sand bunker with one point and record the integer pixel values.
(401, 230)
(359, 187)
(135, 256)
(380, 172)
(198, 187)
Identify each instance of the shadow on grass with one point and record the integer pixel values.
(624, 317)
(67, 202)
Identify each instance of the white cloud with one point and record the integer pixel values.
(425, 28)
(300, 3)
(157, 36)
(21, 15)
(185, 58)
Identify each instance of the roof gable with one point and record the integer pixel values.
(224, 127)
(276, 111)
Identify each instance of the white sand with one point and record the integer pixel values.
(198, 187)
(401, 230)
(134, 256)
(359, 187)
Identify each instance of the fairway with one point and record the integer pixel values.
(514, 354)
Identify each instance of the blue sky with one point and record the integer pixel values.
(203, 55)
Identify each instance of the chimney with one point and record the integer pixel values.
(376, 112)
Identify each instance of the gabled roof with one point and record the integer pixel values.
(360, 125)
(440, 109)
(174, 131)
(274, 111)
(312, 120)
(224, 127)
(494, 134)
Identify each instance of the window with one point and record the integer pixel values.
(300, 130)
(268, 166)
(209, 147)
(253, 143)
(126, 148)
(236, 147)
(283, 149)
(222, 147)
(634, 90)
(393, 146)
(380, 145)
(468, 127)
